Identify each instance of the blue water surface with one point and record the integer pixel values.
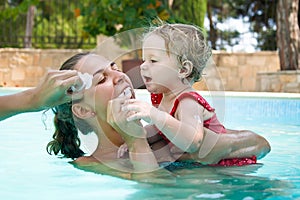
(28, 172)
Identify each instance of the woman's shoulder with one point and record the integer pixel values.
(85, 160)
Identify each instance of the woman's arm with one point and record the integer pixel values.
(134, 135)
(50, 92)
(234, 144)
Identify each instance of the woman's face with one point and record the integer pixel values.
(108, 83)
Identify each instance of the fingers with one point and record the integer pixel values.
(63, 78)
(76, 96)
(136, 110)
(133, 112)
(134, 116)
(132, 105)
(114, 113)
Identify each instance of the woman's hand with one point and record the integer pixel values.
(53, 89)
(118, 120)
(134, 135)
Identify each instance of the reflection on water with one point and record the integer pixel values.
(186, 181)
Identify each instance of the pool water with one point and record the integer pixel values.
(28, 172)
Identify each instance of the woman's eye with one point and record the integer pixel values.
(102, 80)
(153, 61)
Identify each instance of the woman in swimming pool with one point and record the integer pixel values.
(98, 112)
(89, 114)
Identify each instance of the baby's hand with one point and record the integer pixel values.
(123, 151)
(117, 119)
(138, 110)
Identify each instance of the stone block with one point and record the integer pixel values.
(35, 59)
(228, 61)
(18, 74)
(233, 84)
(248, 84)
(287, 78)
(46, 61)
(292, 87)
(245, 71)
(242, 59)
(201, 85)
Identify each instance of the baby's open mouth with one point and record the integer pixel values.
(147, 79)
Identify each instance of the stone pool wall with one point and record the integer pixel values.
(226, 71)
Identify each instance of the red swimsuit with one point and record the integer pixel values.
(212, 124)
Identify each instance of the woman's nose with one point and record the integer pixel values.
(119, 78)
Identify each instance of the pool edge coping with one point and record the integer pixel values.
(240, 94)
(209, 93)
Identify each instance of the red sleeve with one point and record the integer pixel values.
(156, 99)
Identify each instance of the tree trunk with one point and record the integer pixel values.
(213, 34)
(29, 27)
(288, 34)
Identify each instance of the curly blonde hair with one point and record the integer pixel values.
(187, 42)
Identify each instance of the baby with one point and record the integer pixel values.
(174, 56)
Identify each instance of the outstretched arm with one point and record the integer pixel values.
(51, 91)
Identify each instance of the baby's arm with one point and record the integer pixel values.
(185, 130)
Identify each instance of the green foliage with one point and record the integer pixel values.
(12, 11)
(57, 24)
(14, 14)
(109, 17)
(58, 20)
(190, 11)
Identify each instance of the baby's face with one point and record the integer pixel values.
(108, 82)
(160, 67)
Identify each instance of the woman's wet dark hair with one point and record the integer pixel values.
(65, 138)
